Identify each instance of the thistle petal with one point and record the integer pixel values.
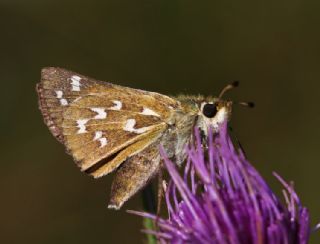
(221, 198)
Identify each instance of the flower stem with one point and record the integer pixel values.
(149, 205)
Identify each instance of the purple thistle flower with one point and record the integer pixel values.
(221, 198)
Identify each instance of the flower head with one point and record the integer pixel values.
(221, 198)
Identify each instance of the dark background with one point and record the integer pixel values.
(168, 46)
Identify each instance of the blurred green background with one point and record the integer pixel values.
(272, 47)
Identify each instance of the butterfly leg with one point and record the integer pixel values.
(133, 175)
(160, 191)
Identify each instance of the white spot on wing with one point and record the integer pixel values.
(63, 101)
(117, 105)
(147, 111)
(103, 141)
(75, 83)
(101, 113)
(81, 124)
(59, 94)
(129, 126)
(97, 135)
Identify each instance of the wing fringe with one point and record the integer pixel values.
(48, 120)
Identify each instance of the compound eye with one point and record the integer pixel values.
(209, 110)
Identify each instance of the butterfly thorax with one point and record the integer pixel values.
(194, 111)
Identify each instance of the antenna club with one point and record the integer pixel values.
(235, 83)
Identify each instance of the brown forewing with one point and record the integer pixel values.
(62, 117)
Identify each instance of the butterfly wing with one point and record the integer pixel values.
(101, 124)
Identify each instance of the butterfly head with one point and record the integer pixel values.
(214, 113)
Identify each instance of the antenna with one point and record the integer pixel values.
(246, 104)
(228, 87)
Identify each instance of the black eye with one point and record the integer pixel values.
(209, 110)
